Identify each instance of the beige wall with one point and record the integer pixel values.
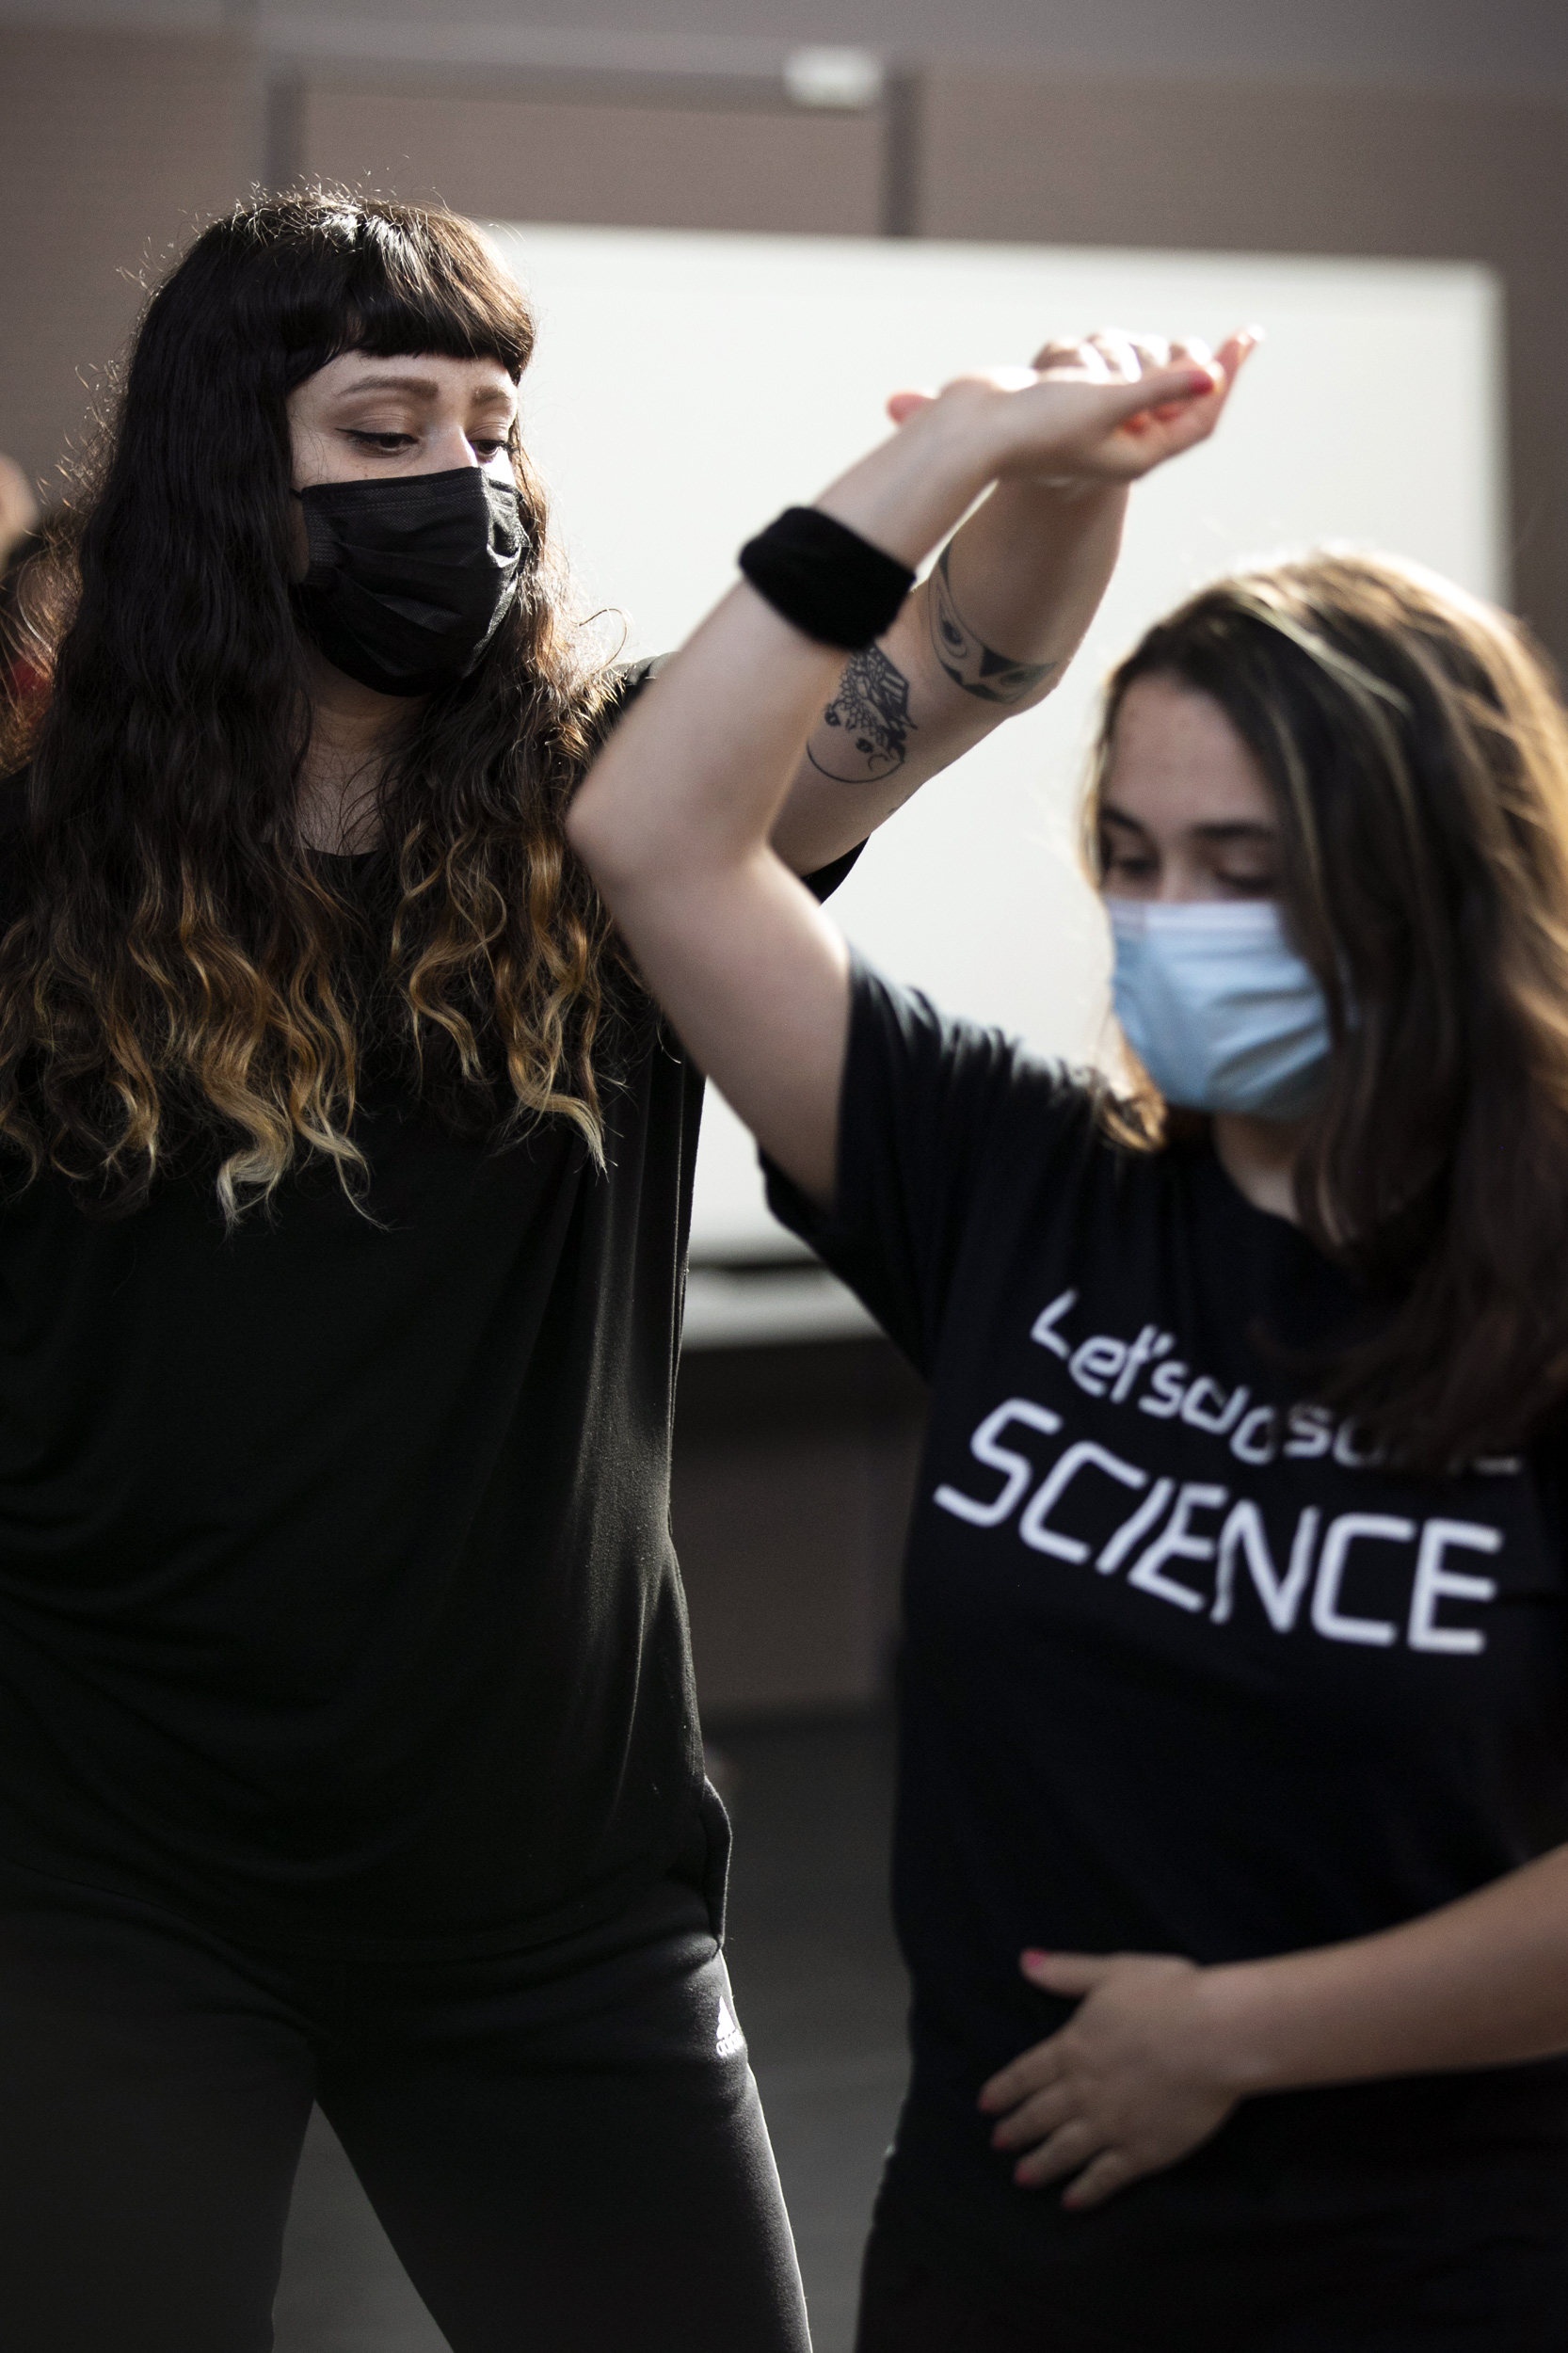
(1293, 170)
(112, 146)
(502, 158)
(116, 146)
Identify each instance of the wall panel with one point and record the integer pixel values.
(1272, 168)
(113, 147)
(504, 159)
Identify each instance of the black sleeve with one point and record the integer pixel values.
(935, 1115)
(627, 681)
(825, 881)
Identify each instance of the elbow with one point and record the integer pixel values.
(580, 828)
(590, 831)
(643, 848)
(629, 858)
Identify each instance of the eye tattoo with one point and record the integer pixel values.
(870, 714)
(977, 667)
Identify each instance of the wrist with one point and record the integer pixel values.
(1236, 2036)
(908, 493)
(1084, 496)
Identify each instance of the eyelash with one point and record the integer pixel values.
(392, 445)
(1131, 863)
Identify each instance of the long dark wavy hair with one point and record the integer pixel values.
(1418, 749)
(182, 973)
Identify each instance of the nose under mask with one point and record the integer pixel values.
(409, 579)
(1221, 1012)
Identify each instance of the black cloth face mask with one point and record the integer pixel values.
(409, 579)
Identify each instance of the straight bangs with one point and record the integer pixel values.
(392, 281)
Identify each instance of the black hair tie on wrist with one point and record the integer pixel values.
(826, 579)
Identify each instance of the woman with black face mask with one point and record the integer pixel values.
(347, 1746)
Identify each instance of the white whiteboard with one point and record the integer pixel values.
(688, 386)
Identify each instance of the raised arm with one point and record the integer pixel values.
(675, 816)
(990, 633)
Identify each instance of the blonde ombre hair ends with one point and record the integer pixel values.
(184, 980)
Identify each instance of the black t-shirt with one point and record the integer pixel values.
(1183, 1670)
(337, 1595)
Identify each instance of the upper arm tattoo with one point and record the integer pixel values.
(870, 713)
(966, 657)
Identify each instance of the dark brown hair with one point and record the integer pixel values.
(181, 969)
(1417, 748)
(37, 597)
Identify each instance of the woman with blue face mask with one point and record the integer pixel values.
(1232, 1846)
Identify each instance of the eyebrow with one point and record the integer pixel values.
(1222, 829)
(425, 388)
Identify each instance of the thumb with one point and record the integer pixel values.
(903, 406)
(1237, 350)
(1072, 1974)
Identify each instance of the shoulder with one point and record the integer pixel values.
(630, 678)
(953, 1138)
(622, 686)
(958, 1117)
(924, 1049)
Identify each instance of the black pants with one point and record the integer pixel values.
(906, 2306)
(565, 2146)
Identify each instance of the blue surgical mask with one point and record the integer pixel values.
(1217, 1005)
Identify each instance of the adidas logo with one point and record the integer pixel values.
(730, 2037)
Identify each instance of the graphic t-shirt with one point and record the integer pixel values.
(1184, 1669)
(337, 1596)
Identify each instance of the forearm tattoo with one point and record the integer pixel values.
(966, 657)
(870, 719)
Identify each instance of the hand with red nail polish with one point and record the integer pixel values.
(1105, 407)
(1141, 2074)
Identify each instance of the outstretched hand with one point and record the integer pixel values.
(1131, 2083)
(1108, 408)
